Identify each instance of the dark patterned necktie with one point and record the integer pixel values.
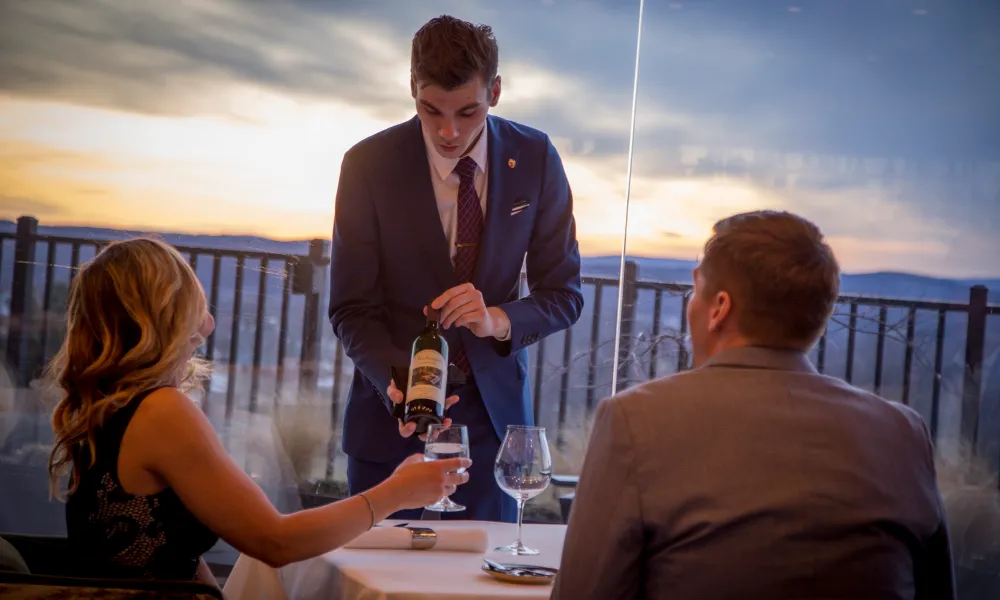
(468, 231)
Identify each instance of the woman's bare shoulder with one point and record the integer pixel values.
(170, 412)
(174, 431)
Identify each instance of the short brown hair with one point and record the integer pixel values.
(781, 274)
(450, 52)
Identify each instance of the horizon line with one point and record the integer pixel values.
(304, 240)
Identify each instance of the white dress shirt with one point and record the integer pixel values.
(445, 182)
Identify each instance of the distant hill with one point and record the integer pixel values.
(227, 242)
(883, 284)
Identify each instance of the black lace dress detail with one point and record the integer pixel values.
(121, 535)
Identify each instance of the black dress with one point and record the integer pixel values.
(120, 535)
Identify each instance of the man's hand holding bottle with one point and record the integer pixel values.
(408, 429)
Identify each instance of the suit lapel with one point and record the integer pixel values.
(417, 196)
(499, 153)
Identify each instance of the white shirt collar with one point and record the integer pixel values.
(445, 166)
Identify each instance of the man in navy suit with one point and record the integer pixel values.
(444, 210)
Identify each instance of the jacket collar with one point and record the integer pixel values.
(758, 357)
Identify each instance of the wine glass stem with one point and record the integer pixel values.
(520, 518)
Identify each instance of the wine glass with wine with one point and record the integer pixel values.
(523, 469)
(443, 442)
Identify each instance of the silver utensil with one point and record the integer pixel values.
(518, 570)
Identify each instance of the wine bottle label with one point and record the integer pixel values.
(428, 373)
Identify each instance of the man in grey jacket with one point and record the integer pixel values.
(752, 475)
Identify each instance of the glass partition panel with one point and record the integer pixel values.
(220, 127)
(875, 120)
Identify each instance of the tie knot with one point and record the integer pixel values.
(466, 168)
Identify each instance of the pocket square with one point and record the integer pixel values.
(519, 206)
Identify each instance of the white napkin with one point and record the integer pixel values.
(449, 539)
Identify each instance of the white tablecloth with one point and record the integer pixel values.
(400, 574)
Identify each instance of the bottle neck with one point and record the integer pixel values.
(432, 321)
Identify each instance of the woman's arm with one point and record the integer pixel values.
(180, 446)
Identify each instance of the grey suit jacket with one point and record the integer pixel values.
(756, 477)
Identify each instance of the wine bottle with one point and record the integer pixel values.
(428, 376)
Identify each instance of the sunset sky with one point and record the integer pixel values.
(876, 118)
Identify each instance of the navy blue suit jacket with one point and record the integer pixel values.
(391, 258)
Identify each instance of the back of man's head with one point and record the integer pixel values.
(781, 276)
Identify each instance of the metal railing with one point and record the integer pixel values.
(302, 280)
(640, 358)
(30, 321)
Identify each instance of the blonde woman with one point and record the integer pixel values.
(151, 488)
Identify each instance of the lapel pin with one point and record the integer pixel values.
(512, 163)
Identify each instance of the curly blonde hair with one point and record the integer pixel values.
(133, 324)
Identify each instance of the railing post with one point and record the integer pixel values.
(310, 280)
(21, 297)
(975, 342)
(630, 297)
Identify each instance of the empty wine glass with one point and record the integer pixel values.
(523, 469)
(446, 442)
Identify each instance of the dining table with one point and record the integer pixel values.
(403, 574)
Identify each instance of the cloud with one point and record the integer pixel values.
(106, 191)
(14, 205)
(190, 60)
(176, 60)
(173, 60)
(744, 102)
(207, 167)
(851, 78)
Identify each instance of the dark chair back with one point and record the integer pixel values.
(54, 572)
(11, 560)
(21, 586)
(44, 554)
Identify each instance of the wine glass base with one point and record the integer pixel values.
(517, 549)
(445, 505)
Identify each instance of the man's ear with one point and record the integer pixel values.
(721, 311)
(495, 91)
(413, 87)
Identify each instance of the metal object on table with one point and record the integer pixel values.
(423, 538)
(567, 481)
(529, 574)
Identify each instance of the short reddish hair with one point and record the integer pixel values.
(779, 271)
(450, 52)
